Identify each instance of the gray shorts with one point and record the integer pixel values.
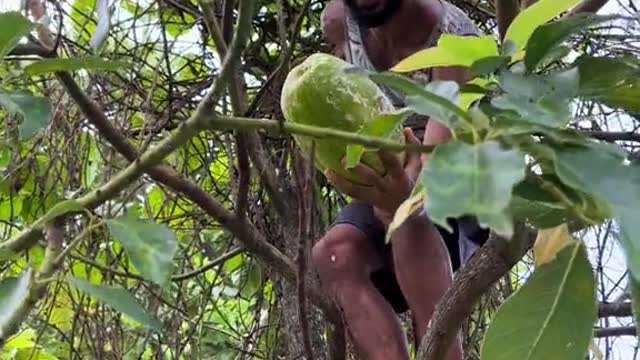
(466, 238)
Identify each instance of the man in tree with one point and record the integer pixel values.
(371, 280)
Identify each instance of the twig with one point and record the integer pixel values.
(494, 259)
(244, 176)
(217, 261)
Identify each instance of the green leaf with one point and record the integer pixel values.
(63, 208)
(35, 111)
(613, 82)
(488, 65)
(437, 99)
(13, 26)
(120, 300)
(551, 316)
(546, 37)
(382, 126)
(425, 105)
(13, 292)
(150, 246)
(5, 155)
(23, 340)
(599, 75)
(606, 174)
(6, 254)
(451, 50)
(526, 22)
(462, 179)
(539, 99)
(73, 64)
(10, 207)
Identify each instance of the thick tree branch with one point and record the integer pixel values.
(622, 309)
(615, 331)
(506, 11)
(588, 6)
(612, 136)
(480, 272)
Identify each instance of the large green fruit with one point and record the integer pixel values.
(318, 92)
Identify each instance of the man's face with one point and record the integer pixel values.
(373, 13)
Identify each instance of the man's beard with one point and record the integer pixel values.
(372, 20)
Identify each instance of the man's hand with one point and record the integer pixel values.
(386, 192)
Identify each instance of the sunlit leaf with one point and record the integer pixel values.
(13, 27)
(451, 50)
(120, 300)
(150, 246)
(13, 292)
(547, 36)
(73, 64)
(23, 340)
(462, 179)
(381, 127)
(10, 206)
(34, 110)
(551, 316)
(526, 22)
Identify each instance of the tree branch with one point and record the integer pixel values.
(615, 331)
(588, 6)
(506, 11)
(612, 136)
(494, 259)
(622, 309)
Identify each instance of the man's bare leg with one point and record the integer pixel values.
(423, 271)
(344, 259)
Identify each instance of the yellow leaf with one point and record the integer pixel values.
(549, 242)
(406, 209)
(532, 17)
(22, 340)
(451, 50)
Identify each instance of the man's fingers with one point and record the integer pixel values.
(413, 163)
(347, 187)
(392, 163)
(368, 175)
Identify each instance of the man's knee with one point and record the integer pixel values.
(342, 250)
